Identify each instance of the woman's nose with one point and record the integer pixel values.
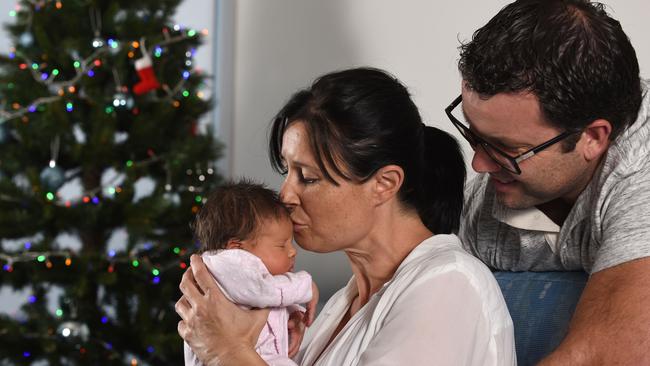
(288, 195)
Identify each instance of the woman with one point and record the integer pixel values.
(365, 176)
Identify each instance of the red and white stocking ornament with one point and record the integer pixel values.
(148, 81)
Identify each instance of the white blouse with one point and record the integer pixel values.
(442, 307)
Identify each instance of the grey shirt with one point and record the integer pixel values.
(608, 225)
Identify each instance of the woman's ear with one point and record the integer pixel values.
(595, 139)
(387, 182)
(234, 244)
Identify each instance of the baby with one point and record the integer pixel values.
(246, 239)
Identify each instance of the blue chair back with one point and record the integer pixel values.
(541, 305)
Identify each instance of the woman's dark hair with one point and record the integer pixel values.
(362, 119)
(569, 53)
(235, 210)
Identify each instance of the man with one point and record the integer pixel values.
(554, 108)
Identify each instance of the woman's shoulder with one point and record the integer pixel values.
(444, 255)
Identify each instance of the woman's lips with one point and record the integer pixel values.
(298, 227)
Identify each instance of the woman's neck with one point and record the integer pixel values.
(375, 259)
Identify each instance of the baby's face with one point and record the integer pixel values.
(273, 245)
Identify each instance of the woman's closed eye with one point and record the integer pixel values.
(307, 179)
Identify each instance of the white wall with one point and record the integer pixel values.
(281, 45)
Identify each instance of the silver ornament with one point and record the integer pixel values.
(73, 331)
(52, 178)
(26, 39)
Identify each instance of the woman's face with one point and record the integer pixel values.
(325, 217)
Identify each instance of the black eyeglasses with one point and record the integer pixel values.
(509, 163)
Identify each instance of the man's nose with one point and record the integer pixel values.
(482, 162)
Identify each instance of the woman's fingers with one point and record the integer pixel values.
(202, 276)
(182, 329)
(296, 332)
(183, 308)
(189, 288)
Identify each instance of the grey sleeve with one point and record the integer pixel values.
(474, 201)
(625, 222)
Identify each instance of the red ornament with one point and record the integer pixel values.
(148, 81)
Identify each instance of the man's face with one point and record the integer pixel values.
(513, 122)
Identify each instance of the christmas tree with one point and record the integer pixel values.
(99, 98)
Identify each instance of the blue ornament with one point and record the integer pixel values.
(52, 178)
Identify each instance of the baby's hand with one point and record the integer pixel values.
(311, 305)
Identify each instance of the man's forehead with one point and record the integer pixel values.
(512, 118)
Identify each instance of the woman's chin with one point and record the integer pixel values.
(310, 245)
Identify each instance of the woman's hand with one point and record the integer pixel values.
(296, 331)
(218, 331)
(298, 321)
(311, 305)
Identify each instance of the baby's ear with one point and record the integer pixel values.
(234, 244)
